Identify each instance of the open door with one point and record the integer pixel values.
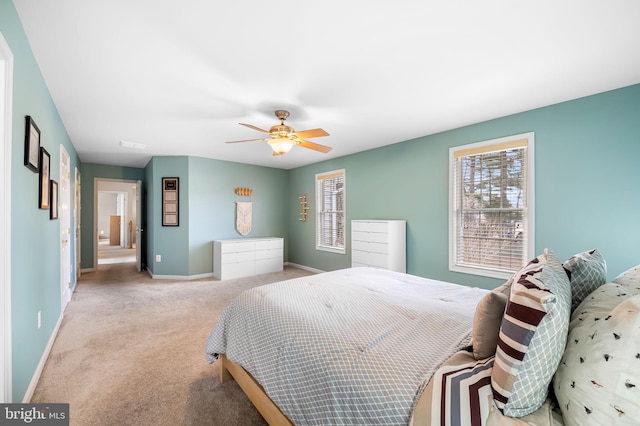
(64, 202)
(76, 221)
(138, 225)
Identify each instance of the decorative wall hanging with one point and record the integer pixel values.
(170, 207)
(304, 208)
(243, 211)
(53, 211)
(243, 216)
(32, 145)
(45, 160)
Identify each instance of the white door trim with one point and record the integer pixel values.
(64, 203)
(6, 93)
(76, 224)
(138, 230)
(96, 190)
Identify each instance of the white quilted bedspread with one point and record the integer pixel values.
(354, 346)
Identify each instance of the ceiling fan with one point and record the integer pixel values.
(282, 137)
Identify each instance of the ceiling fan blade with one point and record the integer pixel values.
(247, 140)
(314, 146)
(251, 126)
(312, 133)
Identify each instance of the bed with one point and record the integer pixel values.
(370, 346)
(356, 343)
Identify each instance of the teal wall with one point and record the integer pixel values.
(212, 205)
(35, 239)
(171, 242)
(207, 210)
(88, 173)
(587, 191)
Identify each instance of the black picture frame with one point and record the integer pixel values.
(45, 172)
(31, 145)
(53, 202)
(170, 201)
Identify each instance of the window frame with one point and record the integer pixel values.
(318, 178)
(529, 227)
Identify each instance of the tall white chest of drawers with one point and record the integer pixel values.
(242, 257)
(379, 244)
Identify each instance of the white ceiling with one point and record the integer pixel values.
(178, 76)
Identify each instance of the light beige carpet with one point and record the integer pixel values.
(130, 351)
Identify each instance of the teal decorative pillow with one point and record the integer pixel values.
(586, 271)
(598, 380)
(532, 336)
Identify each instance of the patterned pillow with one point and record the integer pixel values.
(600, 303)
(586, 271)
(598, 380)
(532, 336)
(629, 278)
(459, 393)
(486, 324)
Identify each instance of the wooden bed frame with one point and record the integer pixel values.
(268, 409)
(229, 370)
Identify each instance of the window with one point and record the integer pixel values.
(330, 220)
(491, 206)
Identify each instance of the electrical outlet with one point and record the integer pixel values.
(39, 319)
(158, 258)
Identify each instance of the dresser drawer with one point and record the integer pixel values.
(264, 266)
(375, 237)
(237, 270)
(269, 244)
(238, 247)
(242, 256)
(369, 226)
(269, 254)
(370, 259)
(370, 247)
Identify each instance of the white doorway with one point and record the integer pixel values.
(6, 103)
(115, 202)
(138, 228)
(64, 201)
(76, 222)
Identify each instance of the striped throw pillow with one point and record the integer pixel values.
(532, 336)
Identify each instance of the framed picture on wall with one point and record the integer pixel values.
(32, 145)
(170, 213)
(45, 161)
(170, 200)
(53, 202)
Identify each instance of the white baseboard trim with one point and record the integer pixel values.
(210, 274)
(306, 268)
(87, 270)
(179, 277)
(36, 375)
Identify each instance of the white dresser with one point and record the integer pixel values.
(242, 257)
(379, 244)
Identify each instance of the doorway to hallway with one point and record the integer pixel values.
(117, 218)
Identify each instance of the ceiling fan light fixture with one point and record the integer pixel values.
(281, 145)
(282, 137)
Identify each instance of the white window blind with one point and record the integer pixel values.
(330, 208)
(491, 211)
